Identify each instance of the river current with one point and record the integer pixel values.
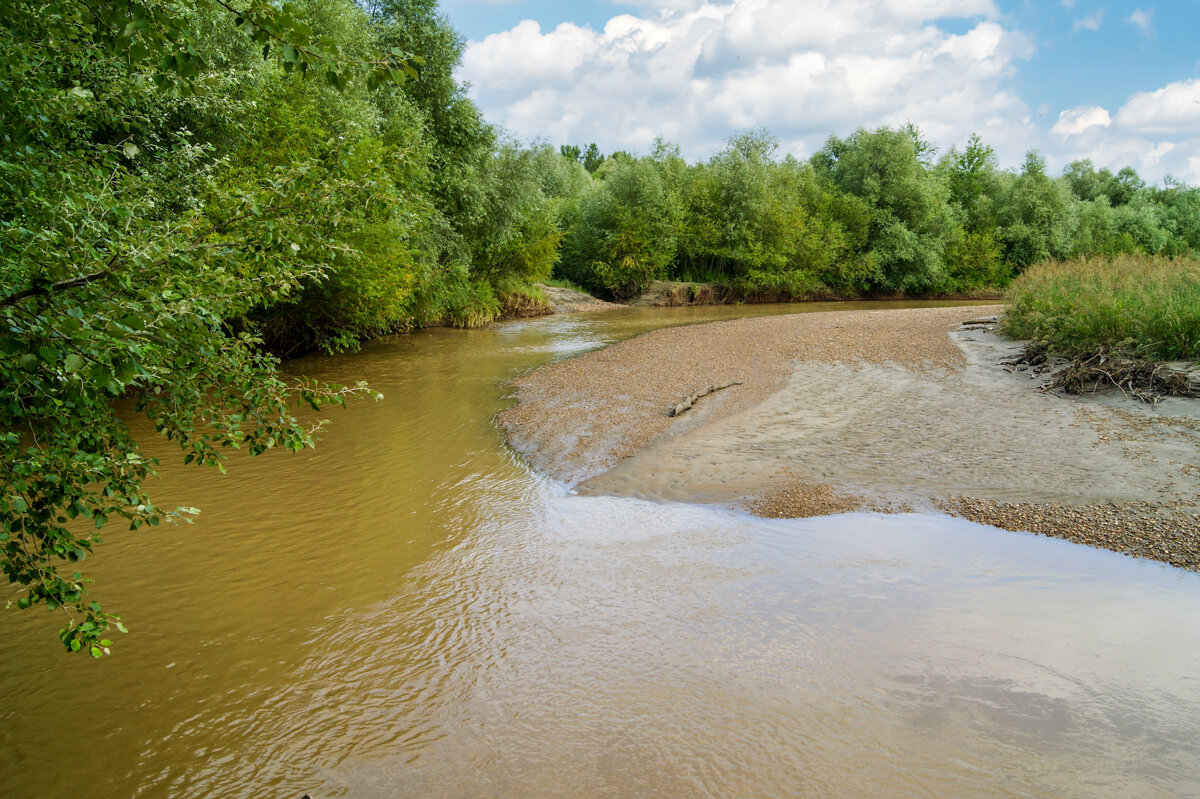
(410, 610)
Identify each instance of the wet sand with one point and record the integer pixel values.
(890, 410)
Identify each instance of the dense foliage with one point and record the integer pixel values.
(874, 213)
(189, 185)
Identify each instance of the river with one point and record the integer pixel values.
(409, 610)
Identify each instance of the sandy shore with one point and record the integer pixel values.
(888, 410)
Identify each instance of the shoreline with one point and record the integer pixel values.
(891, 410)
(682, 293)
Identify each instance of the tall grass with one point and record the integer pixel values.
(1143, 305)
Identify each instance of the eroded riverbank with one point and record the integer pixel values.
(885, 410)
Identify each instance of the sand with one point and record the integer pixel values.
(889, 410)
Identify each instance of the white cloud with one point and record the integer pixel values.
(1074, 121)
(1090, 23)
(526, 54)
(1156, 132)
(697, 72)
(1142, 20)
(1192, 174)
(1113, 150)
(1173, 109)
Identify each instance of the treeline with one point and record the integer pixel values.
(876, 212)
(397, 205)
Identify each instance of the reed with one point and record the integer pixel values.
(1144, 306)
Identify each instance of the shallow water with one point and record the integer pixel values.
(410, 611)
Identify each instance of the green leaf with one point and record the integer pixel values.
(130, 149)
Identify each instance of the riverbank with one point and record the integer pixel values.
(682, 293)
(880, 410)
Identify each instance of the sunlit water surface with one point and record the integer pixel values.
(410, 611)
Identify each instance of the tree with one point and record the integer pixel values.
(911, 221)
(592, 158)
(625, 234)
(1038, 215)
(972, 177)
(126, 261)
(1087, 183)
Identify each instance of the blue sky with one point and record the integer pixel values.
(1117, 82)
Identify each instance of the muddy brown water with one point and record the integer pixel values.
(411, 611)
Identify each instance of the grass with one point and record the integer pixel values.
(1145, 306)
(563, 283)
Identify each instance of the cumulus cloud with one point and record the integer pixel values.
(1091, 22)
(696, 72)
(1156, 132)
(1173, 109)
(1074, 121)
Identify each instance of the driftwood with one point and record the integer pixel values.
(1143, 380)
(690, 401)
(1088, 372)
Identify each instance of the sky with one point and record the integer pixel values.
(1118, 83)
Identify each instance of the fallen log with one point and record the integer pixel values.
(690, 401)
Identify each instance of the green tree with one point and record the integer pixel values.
(1087, 183)
(625, 234)
(516, 240)
(911, 221)
(753, 220)
(126, 260)
(972, 176)
(592, 158)
(1179, 210)
(463, 142)
(1038, 216)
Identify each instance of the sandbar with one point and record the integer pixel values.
(889, 410)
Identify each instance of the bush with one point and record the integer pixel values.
(976, 262)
